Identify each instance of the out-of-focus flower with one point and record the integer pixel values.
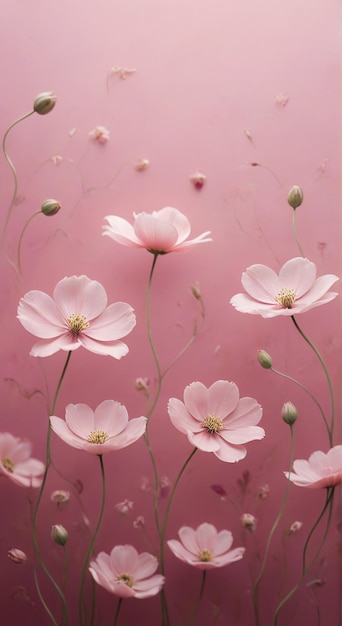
(198, 180)
(141, 384)
(164, 487)
(60, 497)
(264, 359)
(16, 462)
(216, 420)
(77, 315)
(205, 547)
(320, 470)
(295, 197)
(44, 102)
(17, 556)
(50, 207)
(100, 431)
(263, 492)
(159, 232)
(122, 72)
(294, 528)
(124, 507)
(142, 165)
(145, 484)
(295, 290)
(139, 522)
(289, 413)
(126, 573)
(59, 534)
(248, 521)
(56, 159)
(101, 134)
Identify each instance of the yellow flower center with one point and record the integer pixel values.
(127, 579)
(286, 298)
(77, 323)
(205, 556)
(212, 424)
(8, 465)
(97, 436)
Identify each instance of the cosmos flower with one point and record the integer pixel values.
(295, 290)
(159, 232)
(77, 315)
(101, 134)
(126, 573)
(16, 462)
(205, 547)
(321, 470)
(216, 420)
(100, 431)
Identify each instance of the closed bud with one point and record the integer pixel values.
(50, 207)
(289, 413)
(44, 102)
(295, 197)
(196, 292)
(59, 534)
(264, 359)
(17, 556)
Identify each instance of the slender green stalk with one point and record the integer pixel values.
(327, 375)
(117, 612)
(150, 338)
(91, 544)
(294, 231)
(193, 621)
(21, 239)
(257, 582)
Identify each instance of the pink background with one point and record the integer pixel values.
(218, 85)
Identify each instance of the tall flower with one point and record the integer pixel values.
(77, 315)
(295, 290)
(16, 462)
(159, 232)
(320, 470)
(216, 420)
(126, 573)
(100, 431)
(205, 547)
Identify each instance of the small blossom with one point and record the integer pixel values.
(127, 574)
(198, 180)
(122, 72)
(16, 462)
(44, 102)
(205, 547)
(145, 484)
(139, 522)
(319, 471)
(124, 507)
(50, 207)
(59, 534)
(56, 159)
(142, 165)
(295, 197)
(141, 384)
(263, 492)
(101, 134)
(294, 528)
(249, 522)
(60, 497)
(282, 100)
(17, 556)
(289, 413)
(164, 487)
(264, 359)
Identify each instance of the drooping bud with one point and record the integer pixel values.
(50, 207)
(60, 497)
(248, 521)
(17, 556)
(295, 197)
(59, 534)
(44, 102)
(264, 359)
(289, 413)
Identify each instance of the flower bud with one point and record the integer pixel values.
(44, 102)
(50, 207)
(249, 522)
(17, 556)
(60, 497)
(264, 359)
(295, 197)
(59, 534)
(196, 292)
(289, 413)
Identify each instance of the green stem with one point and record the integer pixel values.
(327, 375)
(193, 621)
(21, 239)
(255, 595)
(117, 612)
(294, 231)
(91, 544)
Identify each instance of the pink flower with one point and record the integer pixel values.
(321, 470)
(16, 462)
(126, 573)
(77, 315)
(125, 506)
(100, 134)
(159, 232)
(216, 420)
(295, 290)
(100, 431)
(204, 547)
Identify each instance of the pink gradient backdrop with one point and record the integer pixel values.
(203, 97)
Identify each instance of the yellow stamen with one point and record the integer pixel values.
(8, 465)
(212, 424)
(127, 579)
(286, 298)
(97, 436)
(77, 323)
(205, 556)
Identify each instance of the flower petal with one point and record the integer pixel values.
(79, 295)
(115, 349)
(261, 283)
(223, 397)
(230, 454)
(121, 231)
(114, 323)
(156, 234)
(181, 418)
(38, 314)
(298, 274)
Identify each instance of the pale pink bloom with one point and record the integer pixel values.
(17, 556)
(141, 384)
(248, 521)
(124, 507)
(101, 134)
(100, 431)
(77, 315)
(198, 180)
(56, 159)
(126, 573)
(216, 420)
(295, 290)
(122, 72)
(139, 522)
(159, 232)
(142, 165)
(294, 528)
(60, 497)
(145, 484)
(321, 470)
(205, 547)
(263, 492)
(16, 462)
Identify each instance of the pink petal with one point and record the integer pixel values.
(133, 431)
(230, 557)
(261, 283)
(30, 468)
(18, 450)
(46, 347)
(114, 323)
(247, 413)
(188, 537)
(222, 542)
(242, 435)
(80, 295)
(124, 559)
(223, 397)
(115, 349)
(196, 400)
(111, 417)
(122, 590)
(145, 566)
(319, 288)
(177, 219)
(121, 231)
(80, 420)
(38, 314)
(181, 418)
(298, 274)
(156, 234)
(206, 535)
(305, 304)
(150, 587)
(204, 441)
(63, 432)
(230, 454)
(245, 304)
(181, 552)
(190, 243)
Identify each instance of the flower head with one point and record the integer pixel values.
(216, 420)
(100, 431)
(248, 521)
(126, 573)
(101, 134)
(60, 497)
(17, 556)
(159, 232)
(321, 470)
(44, 102)
(77, 315)
(295, 290)
(205, 547)
(59, 534)
(16, 462)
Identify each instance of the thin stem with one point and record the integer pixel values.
(255, 595)
(92, 541)
(182, 351)
(294, 231)
(21, 239)
(150, 338)
(14, 195)
(327, 375)
(193, 621)
(117, 612)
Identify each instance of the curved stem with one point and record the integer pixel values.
(294, 231)
(150, 338)
(117, 612)
(14, 195)
(255, 595)
(327, 375)
(21, 239)
(193, 621)
(92, 541)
